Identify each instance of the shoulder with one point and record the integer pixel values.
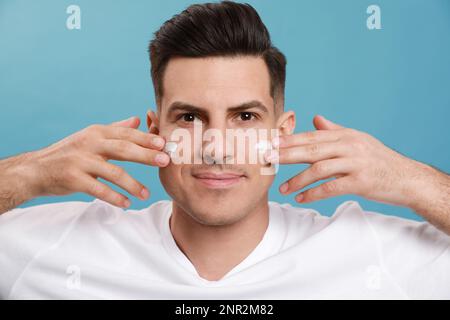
(416, 253)
(110, 219)
(349, 212)
(24, 232)
(350, 220)
(392, 229)
(416, 243)
(51, 214)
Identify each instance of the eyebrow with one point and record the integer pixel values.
(182, 106)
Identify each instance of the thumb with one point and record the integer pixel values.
(321, 123)
(132, 122)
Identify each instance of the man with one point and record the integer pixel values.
(220, 237)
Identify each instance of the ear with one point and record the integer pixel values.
(286, 123)
(152, 122)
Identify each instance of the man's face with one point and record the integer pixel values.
(214, 92)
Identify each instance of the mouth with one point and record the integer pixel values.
(218, 180)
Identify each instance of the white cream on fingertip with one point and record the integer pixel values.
(262, 147)
(170, 147)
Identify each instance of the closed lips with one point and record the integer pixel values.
(217, 176)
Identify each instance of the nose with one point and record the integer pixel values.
(216, 157)
(218, 149)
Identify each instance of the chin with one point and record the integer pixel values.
(216, 214)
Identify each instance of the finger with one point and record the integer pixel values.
(332, 188)
(306, 138)
(317, 171)
(127, 151)
(147, 140)
(118, 176)
(132, 122)
(322, 123)
(101, 191)
(310, 153)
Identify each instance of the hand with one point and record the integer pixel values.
(74, 163)
(361, 164)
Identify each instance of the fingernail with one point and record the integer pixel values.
(271, 156)
(284, 187)
(158, 142)
(162, 159)
(299, 197)
(126, 203)
(144, 193)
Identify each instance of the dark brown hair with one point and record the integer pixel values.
(216, 29)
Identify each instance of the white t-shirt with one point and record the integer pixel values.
(90, 250)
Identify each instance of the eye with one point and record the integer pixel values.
(188, 117)
(246, 116)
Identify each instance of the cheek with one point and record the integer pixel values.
(259, 178)
(266, 173)
(170, 177)
(166, 132)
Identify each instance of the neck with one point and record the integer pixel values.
(215, 250)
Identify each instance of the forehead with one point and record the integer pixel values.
(216, 81)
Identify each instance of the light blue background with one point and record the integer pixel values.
(393, 83)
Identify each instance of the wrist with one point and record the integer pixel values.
(20, 177)
(424, 189)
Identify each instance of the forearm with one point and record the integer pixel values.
(15, 182)
(431, 197)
